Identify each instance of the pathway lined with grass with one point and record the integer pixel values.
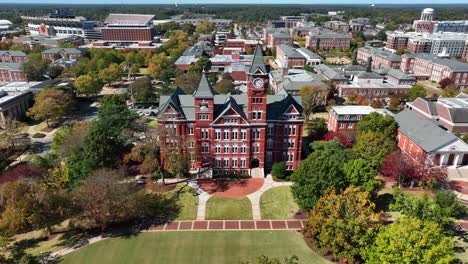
(196, 247)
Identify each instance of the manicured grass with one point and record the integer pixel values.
(153, 123)
(187, 201)
(278, 203)
(196, 247)
(218, 208)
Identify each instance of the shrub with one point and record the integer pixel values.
(39, 135)
(279, 170)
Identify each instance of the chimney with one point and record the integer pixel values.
(369, 64)
(285, 68)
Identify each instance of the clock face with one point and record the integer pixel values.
(258, 83)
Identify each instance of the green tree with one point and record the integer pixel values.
(410, 240)
(50, 104)
(373, 147)
(317, 128)
(110, 74)
(312, 97)
(188, 82)
(450, 91)
(204, 64)
(343, 223)
(87, 85)
(321, 170)
(378, 123)
(224, 87)
(279, 170)
(360, 173)
(416, 91)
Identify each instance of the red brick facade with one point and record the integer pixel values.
(127, 34)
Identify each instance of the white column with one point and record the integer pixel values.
(443, 160)
(458, 160)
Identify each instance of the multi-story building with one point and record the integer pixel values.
(426, 24)
(291, 21)
(62, 24)
(12, 72)
(397, 41)
(13, 56)
(291, 81)
(424, 141)
(343, 119)
(240, 46)
(326, 39)
(243, 133)
(380, 57)
(296, 58)
(450, 113)
(64, 53)
(279, 38)
(337, 26)
(371, 85)
(267, 32)
(220, 37)
(419, 45)
(359, 24)
(435, 68)
(127, 31)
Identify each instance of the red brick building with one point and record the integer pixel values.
(12, 72)
(66, 53)
(328, 40)
(13, 56)
(243, 133)
(124, 30)
(424, 141)
(343, 119)
(450, 113)
(435, 68)
(397, 41)
(381, 58)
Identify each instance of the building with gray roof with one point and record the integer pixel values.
(424, 141)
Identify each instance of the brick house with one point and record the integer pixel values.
(12, 72)
(64, 53)
(343, 119)
(449, 113)
(423, 140)
(13, 56)
(328, 40)
(435, 68)
(381, 58)
(296, 58)
(243, 133)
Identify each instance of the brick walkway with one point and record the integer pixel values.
(231, 225)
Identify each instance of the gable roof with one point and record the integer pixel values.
(204, 89)
(229, 104)
(423, 132)
(290, 52)
(257, 62)
(13, 53)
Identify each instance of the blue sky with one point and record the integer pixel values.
(429, 2)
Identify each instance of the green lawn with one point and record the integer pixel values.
(278, 203)
(196, 247)
(461, 247)
(187, 201)
(218, 208)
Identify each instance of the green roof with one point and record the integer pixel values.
(204, 89)
(257, 62)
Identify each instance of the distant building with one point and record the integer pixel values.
(61, 24)
(290, 81)
(128, 31)
(380, 57)
(296, 58)
(240, 46)
(12, 72)
(343, 119)
(273, 37)
(426, 24)
(326, 39)
(424, 141)
(13, 56)
(450, 113)
(425, 66)
(5, 24)
(337, 26)
(291, 21)
(48, 41)
(396, 41)
(68, 53)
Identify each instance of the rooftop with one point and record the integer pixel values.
(383, 53)
(454, 65)
(423, 132)
(358, 110)
(12, 90)
(128, 19)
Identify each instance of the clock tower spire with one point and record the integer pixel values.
(257, 85)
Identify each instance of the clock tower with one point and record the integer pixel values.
(257, 85)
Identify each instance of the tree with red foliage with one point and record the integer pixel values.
(407, 171)
(445, 82)
(346, 141)
(20, 171)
